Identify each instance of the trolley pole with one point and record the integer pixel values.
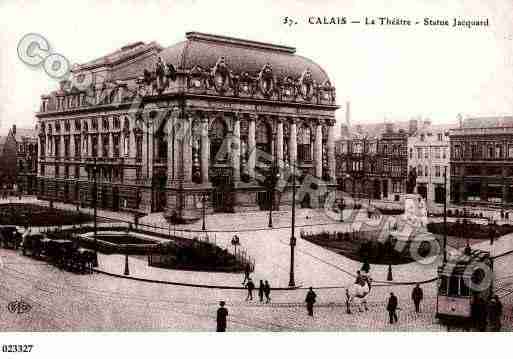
(445, 216)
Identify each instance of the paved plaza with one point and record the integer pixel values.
(65, 301)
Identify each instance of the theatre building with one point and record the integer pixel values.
(150, 129)
(482, 161)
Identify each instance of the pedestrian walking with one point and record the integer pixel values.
(267, 292)
(222, 313)
(495, 314)
(417, 295)
(365, 266)
(246, 274)
(392, 308)
(310, 301)
(261, 291)
(250, 286)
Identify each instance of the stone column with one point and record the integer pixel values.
(293, 143)
(331, 151)
(111, 145)
(235, 148)
(318, 150)
(251, 146)
(171, 149)
(279, 142)
(60, 140)
(72, 145)
(186, 145)
(99, 148)
(205, 150)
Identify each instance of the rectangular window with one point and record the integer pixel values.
(426, 152)
(77, 171)
(42, 170)
(77, 146)
(56, 171)
(444, 153)
(411, 153)
(115, 140)
(66, 147)
(510, 151)
(437, 171)
(94, 144)
(419, 153)
(437, 152)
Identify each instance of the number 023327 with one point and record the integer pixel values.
(17, 348)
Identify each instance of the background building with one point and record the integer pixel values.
(18, 159)
(162, 129)
(482, 161)
(371, 164)
(428, 158)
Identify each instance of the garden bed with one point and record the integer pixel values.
(365, 246)
(470, 230)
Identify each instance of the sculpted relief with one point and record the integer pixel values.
(221, 80)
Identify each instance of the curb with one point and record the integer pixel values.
(207, 286)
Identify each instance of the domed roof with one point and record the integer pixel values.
(204, 50)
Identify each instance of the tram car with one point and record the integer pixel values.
(463, 283)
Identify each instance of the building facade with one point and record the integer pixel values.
(428, 159)
(198, 123)
(481, 161)
(26, 159)
(372, 167)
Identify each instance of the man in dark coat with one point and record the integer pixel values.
(250, 286)
(310, 300)
(222, 313)
(261, 289)
(417, 295)
(495, 314)
(392, 307)
(267, 292)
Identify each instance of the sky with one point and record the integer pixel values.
(386, 72)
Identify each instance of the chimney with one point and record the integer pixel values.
(389, 127)
(413, 127)
(14, 130)
(460, 120)
(359, 128)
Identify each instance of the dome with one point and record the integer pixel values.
(204, 50)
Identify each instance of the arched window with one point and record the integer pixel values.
(216, 136)
(304, 147)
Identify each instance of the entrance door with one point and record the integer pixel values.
(264, 200)
(422, 190)
(439, 194)
(222, 194)
(385, 189)
(115, 199)
(377, 190)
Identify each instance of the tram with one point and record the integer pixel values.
(463, 283)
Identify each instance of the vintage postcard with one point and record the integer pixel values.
(255, 166)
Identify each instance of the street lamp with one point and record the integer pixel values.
(293, 228)
(272, 180)
(95, 199)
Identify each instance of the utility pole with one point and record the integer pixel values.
(293, 228)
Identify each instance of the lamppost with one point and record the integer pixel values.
(95, 199)
(293, 228)
(445, 216)
(203, 200)
(272, 180)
